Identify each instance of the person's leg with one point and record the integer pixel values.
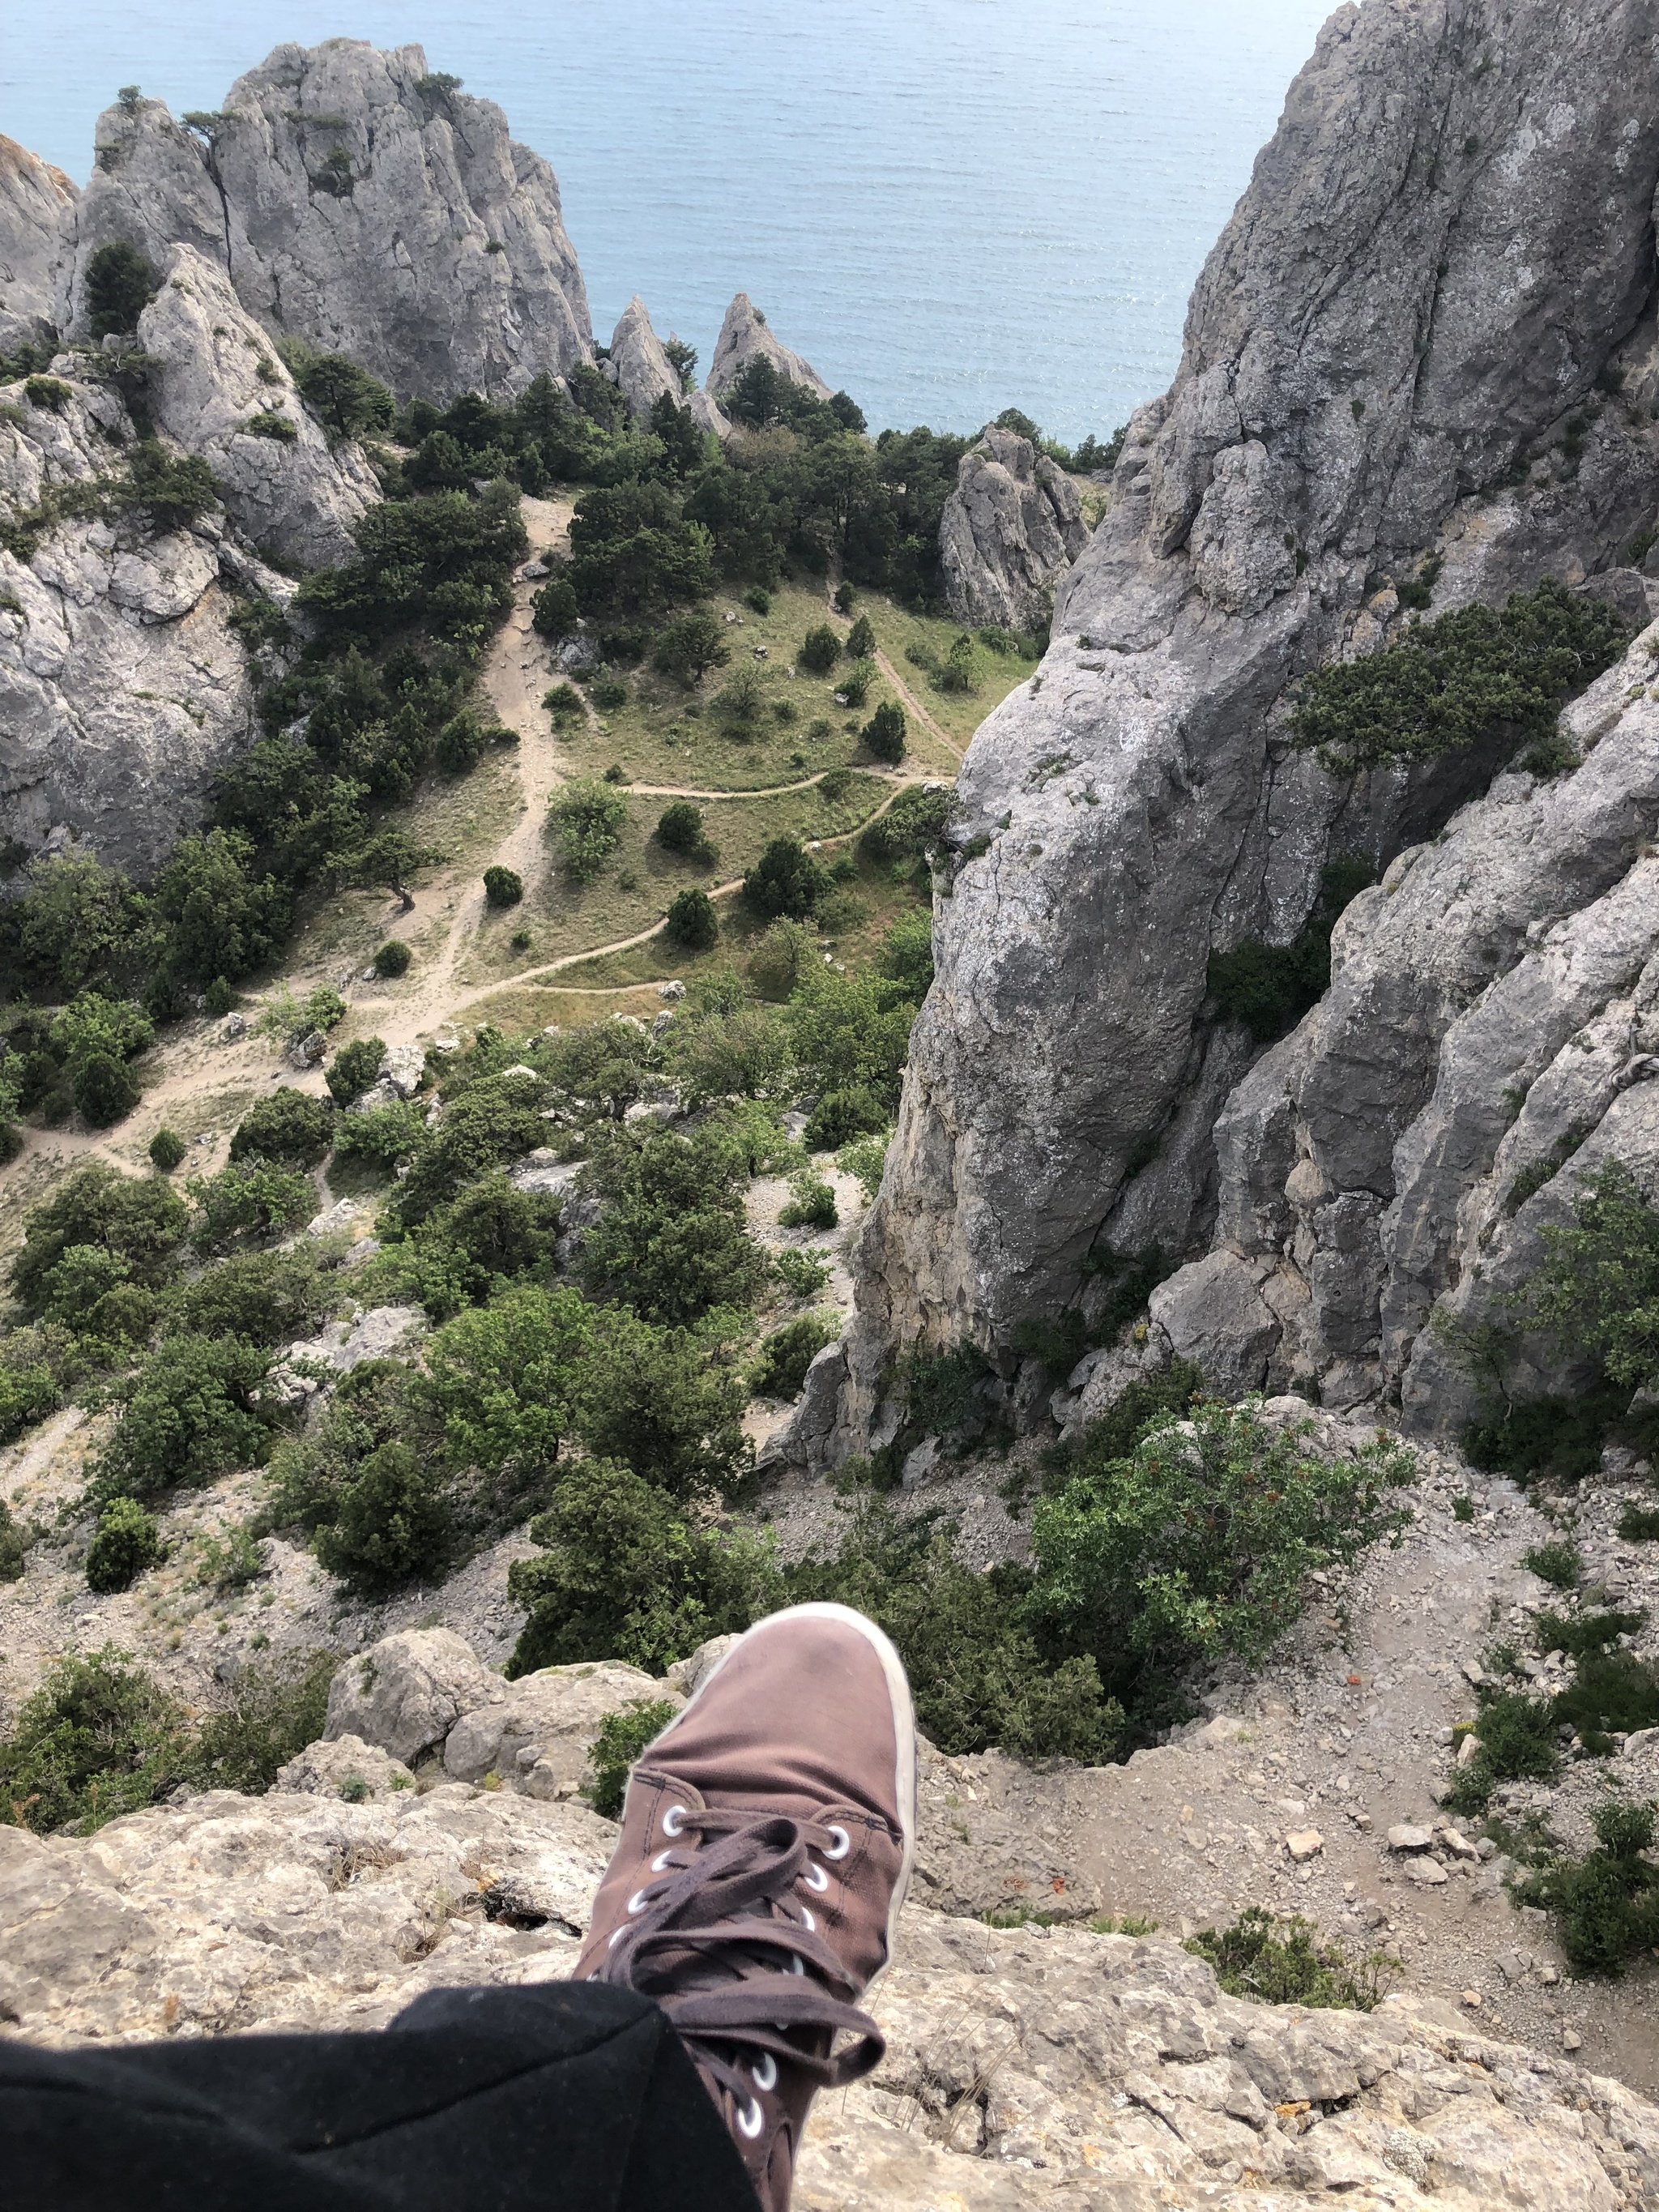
(562, 2098)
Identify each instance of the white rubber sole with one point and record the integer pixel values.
(904, 1734)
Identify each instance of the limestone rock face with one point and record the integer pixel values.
(122, 689)
(742, 335)
(348, 1768)
(1132, 807)
(361, 203)
(1491, 1035)
(36, 202)
(1024, 2067)
(219, 375)
(638, 367)
(539, 1739)
(1010, 529)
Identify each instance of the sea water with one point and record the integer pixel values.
(949, 206)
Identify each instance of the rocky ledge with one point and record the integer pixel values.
(1023, 2067)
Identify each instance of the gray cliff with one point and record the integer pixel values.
(36, 200)
(1010, 530)
(638, 367)
(1448, 241)
(123, 687)
(361, 202)
(744, 334)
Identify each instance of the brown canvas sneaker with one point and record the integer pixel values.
(766, 1848)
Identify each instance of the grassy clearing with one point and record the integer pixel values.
(657, 741)
(957, 713)
(633, 889)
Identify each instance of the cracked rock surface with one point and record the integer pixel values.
(35, 201)
(744, 334)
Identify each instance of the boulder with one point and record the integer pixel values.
(360, 202)
(638, 367)
(537, 1738)
(344, 1768)
(745, 334)
(406, 1692)
(1010, 530)
(37, 203)
(404, 1068)
(221, 390)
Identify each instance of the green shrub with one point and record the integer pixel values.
(98, 1738)
(841, 1117)
(690, 647)
(979, 1676)
(940, 1386)
(865, 1160)
(392, 959)
(143, 1222)
(289, 1128)
(785, 880)
(50, 393)
(803, 1273)
(353, 1069)
(503, 886)
(1276, 1960)
(673, 1241)
(861, 640)
(915, 822)
(587, 820)
(271, 423)
(461, 744)
(1639, 1524)
(271, 1715)
(1201, 1543)
(1517, 1739)
(554, 611)
(564, 702)
(174, 490)
(884, 733)
(345, 399)
(393, 1523)
(853, 688)
(820, 649)
(622, 1738)
(190, 1414)
(125, 1546)
(382, 1135)
(1269, 987)
(1458, 680)
(13, 1564)
(680, 830)
(692, 921)
(812, 1203)
(119, 285)
(264, 1298)
(758, 599)
(959, 670)
(1561, 1564)
(1147, 1403)
(1606, 1905)
(106, 1089)
(785, 1356)
(166, 1150)
(1557, 1437)
(666, 1402)
(621, 1575)
(1599, 1284)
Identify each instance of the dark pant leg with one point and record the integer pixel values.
(569, 2097)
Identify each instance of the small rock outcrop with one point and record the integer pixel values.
(407, 1691)
(36, 202)
(361, 202)
(221, 391)
(1010, 529)
(638, 367)
(1354, 395)
(745, 334)
(123, 688)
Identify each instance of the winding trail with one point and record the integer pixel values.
(518, 672)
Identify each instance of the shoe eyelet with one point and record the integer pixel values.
(816, 1879)
(637, 1902)
(842, 1847)
(750, 2122)
(807, 1921)
(659, 1864)
(673, 1819)
(766, 2073)
(617, 1934)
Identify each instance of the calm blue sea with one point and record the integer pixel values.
(950, 206)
